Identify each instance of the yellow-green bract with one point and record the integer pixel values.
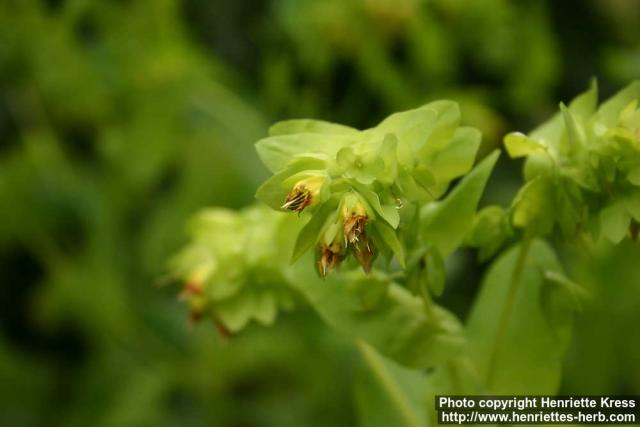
(409, 158)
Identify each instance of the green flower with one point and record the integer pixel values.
(331, 249)
(305, 193)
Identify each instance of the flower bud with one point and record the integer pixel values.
(354, 221)
(332, 249)
(330, 258)
(304, 193)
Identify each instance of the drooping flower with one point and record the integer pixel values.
(304, 193)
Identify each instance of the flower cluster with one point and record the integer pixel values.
(232, 268)
(355, 182)
(583, 168)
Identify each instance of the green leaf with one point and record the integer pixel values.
(574, 129)
(445, 223)
(413, 128)
(584, 105)
(436, 273)
(550, 132)
(519, 145)
(576, 295)
(529, 357)
(310, 233)
(389, 237)
(610, 110)
(265, 308)
(237, 311)
(389, 213)
(632, 204)
(614, 222)
(388, 153)
(388, 394)
(457, 157)
(277, 152)
(533, 206)
(364, 166)
(489, 232)
(634, 176)
(288, 127)
(411, 188)
(398, 325)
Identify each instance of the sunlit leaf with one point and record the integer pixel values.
(445, 223)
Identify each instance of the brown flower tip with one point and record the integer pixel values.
(363, 250)
(223, 331)
(192, 288)
(634, 230)
(354, 226)
(195, 316)
(298, 199)
(354, 231)
(330, 258)
(305, 193)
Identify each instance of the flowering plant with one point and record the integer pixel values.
(381, 212)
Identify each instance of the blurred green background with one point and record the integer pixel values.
(120, 118)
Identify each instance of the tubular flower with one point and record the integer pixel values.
(330, 257)
(304, 193)
(355, 219)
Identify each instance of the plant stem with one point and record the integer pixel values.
(508, 309)
(390, 386)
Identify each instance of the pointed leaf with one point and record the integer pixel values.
(277, 152)
(528, 358)
(293, 126)
(445, 223)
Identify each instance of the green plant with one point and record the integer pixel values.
(383, 198)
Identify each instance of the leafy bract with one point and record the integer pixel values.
(410, 157)
(295, 126)
(445, 223)
(277, 152)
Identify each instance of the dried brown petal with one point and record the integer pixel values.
(297, 199)
(191, 288)
(364, 252)
(354, 227)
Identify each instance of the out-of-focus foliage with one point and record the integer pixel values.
(584, 163)
(120, 118)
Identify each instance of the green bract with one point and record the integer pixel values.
(355, 183)
(583, 168)
(231, 267)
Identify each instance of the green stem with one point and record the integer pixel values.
(396, 395)
(507, 309)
